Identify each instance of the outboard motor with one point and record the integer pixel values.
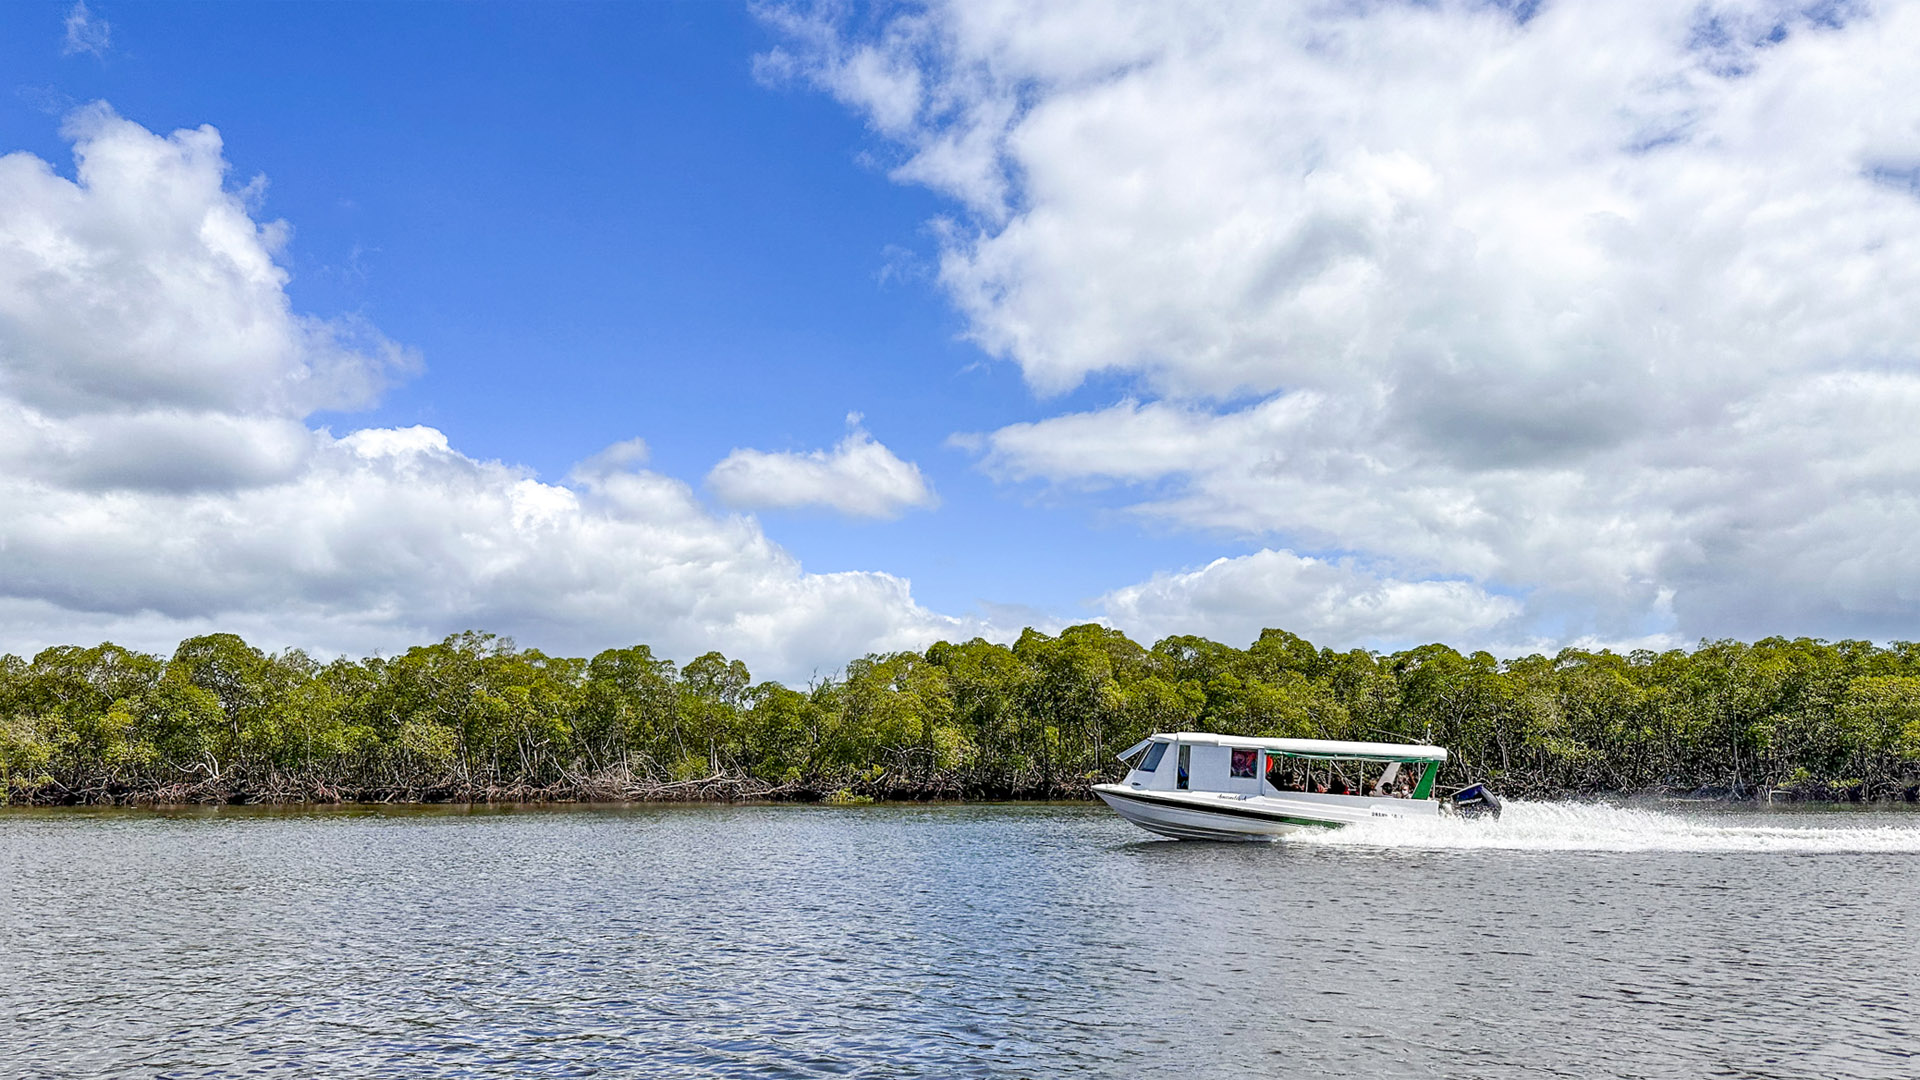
(1475, 801)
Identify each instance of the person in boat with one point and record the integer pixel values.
(1279, 776)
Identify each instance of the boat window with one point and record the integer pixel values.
(1154, 754)
(1396, 781)
(1242, 765)
(1186, 760)
(1290, 773)
(1280, 773)
(1400, 779)
(1337, 783)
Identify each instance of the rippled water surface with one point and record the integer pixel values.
(953, 941)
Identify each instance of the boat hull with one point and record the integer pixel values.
(1207, 817)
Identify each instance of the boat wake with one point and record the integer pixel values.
(1596, 827)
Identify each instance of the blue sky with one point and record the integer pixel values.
(1384, 324)
(595, 224)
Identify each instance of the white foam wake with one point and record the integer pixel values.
(1528, 826)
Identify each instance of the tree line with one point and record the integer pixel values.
(474, 717)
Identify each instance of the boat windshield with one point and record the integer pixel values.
(1152, 760)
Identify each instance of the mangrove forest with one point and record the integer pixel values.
(476, 718)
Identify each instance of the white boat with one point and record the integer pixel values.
(1199, 786)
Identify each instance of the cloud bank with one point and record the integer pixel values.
(1592, 320)
(160, 477)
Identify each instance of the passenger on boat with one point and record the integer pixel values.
(1279, 777)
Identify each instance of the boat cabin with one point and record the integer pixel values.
(1281, 768)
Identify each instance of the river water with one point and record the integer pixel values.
(953, 941)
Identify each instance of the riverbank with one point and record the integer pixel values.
(476, 718)
(725, 789)
(718, 788)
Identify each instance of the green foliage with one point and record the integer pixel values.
(477, 716)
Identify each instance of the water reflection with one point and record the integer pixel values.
(917, 941)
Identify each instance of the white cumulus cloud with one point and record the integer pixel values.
(1603, 306)
(858, 477)
(1336, 603)
(159, 476)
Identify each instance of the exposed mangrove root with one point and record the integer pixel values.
(616, 787)
(622, 787)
